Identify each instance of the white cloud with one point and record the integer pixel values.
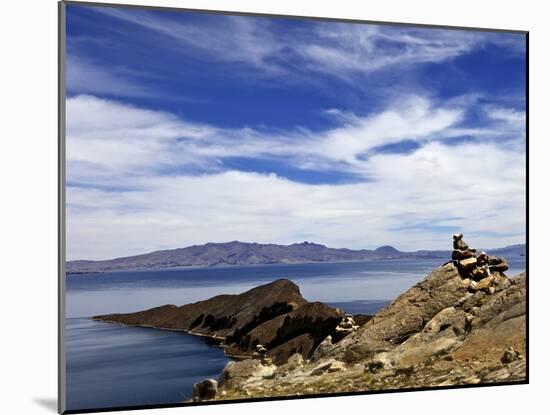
(342, 50)
(83, 76)
(356, 48)
(478, 187)
(412, 118)
(230, 38)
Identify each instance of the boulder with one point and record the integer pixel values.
(481, 272)
(510, 355)
(336, 367)
(501, 267)
(324, 347)
(467, 265)
(495, 260)
(378, 363)
(294, 362)
(330, 366)
(235, 374)
(485, 283)
(205, 390)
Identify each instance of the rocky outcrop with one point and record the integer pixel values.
(272, 321)
(452, 328)
(222, 315)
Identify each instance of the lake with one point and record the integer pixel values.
(110, 365)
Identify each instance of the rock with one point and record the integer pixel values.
(260, 353)
(336, 367)
(501, 267)
(377, 363)
(404, 317)
(205, 390)
(482, 258)
(330, 365)
(445, 330)
(346, 326)
(485, 283)
(235, 374)
(324, 347)
(510, 355)
(501, 282)
(480, 272)
(495, 260)
(299, 331)
(294, 362)
(467, 265)
(460, 254)
(459, 243)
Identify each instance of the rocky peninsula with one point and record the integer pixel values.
(275, 315)
(464, 324)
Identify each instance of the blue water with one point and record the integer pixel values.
(110, 365)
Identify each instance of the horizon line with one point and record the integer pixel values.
(280, 244)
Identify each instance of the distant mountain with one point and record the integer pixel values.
(387, 250)
(244, 253)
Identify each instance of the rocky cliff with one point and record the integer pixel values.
(465, 323)
(275, 316)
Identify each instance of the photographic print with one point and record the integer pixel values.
(259, 207)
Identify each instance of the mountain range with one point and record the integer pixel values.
(245, 253)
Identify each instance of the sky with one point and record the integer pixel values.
(185, 128)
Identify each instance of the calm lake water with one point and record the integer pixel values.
(111, 365)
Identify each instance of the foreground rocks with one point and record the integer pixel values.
(452, 328)
(465, 323)
(205, 390)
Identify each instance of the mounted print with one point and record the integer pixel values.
(258, 207)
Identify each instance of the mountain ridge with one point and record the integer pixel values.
(252, 253)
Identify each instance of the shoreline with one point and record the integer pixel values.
(217, 339)
(196, 267)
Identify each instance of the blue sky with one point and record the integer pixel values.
(185, 128)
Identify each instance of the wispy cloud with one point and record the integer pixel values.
(230, 38)
(172, 188)
(84, 76)
(340, 50)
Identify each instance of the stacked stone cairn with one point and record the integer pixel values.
(346, 326)
(484, 272)
(260, 353)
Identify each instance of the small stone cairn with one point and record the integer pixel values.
(260, 353)
(484, 271)
(347, 325)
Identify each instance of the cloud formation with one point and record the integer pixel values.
(142, 180)
(341, 50)
(187, 128)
